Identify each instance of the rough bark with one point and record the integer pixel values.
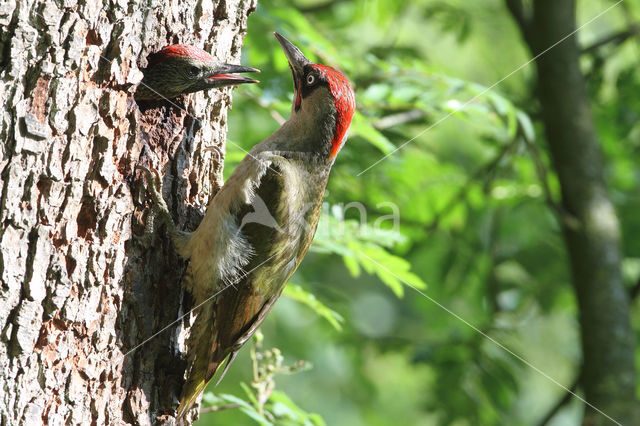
(80, 284)
(593, 243)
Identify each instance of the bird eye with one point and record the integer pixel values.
(194, 70)
(311, 79)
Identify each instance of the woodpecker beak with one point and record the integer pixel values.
(296, 59)
(223, 75)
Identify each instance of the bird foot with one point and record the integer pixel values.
(215, 173)
(160, 208)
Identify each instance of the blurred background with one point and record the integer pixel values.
(479, 231)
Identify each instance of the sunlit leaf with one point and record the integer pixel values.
(360, 126)
(298, 294)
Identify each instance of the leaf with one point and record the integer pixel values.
(250, 394)
(352, 265)
(283, 406)
(329, 246)
(363, 246)
(235, 400)
(297, 293)
(246, 408)
(256, 416)
(377, 92)
(211, 399)
(361, 126)
(392, 270)
(526, 125)
(506, 110)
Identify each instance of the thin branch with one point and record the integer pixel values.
(565, 217)
(561, 403)
(399, 118)
(462, 192)
(616, 38)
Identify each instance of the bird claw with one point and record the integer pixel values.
(155, 187)
(215, 177)
(159, 205)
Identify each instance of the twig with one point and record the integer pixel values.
(398, 118)
(561, 403)
(616, 38)
(565, 217)
(462, 192)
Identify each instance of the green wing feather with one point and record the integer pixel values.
(240, 309)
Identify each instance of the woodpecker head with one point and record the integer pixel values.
(323, 98)
(181, 68)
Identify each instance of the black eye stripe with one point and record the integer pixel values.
(307, 88)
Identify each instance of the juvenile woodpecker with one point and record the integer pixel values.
(259, 226)
(181, 68)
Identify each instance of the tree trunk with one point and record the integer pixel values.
(593, 239)
(81, 285)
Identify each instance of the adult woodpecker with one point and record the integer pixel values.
(259, 226)
(181, 68)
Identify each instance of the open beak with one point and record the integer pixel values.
(296, 59)
(225, 75)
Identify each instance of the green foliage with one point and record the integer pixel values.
(263, 403)
(297, 293)
(364, 246)
(478, 220)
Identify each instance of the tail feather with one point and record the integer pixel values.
(190, 394)
(196, 385)
(230, 359)
(198, 371)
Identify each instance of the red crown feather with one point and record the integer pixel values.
(345, 101)
(179, 51)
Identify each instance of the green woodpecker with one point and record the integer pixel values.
(259, 226)
(181, 68)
